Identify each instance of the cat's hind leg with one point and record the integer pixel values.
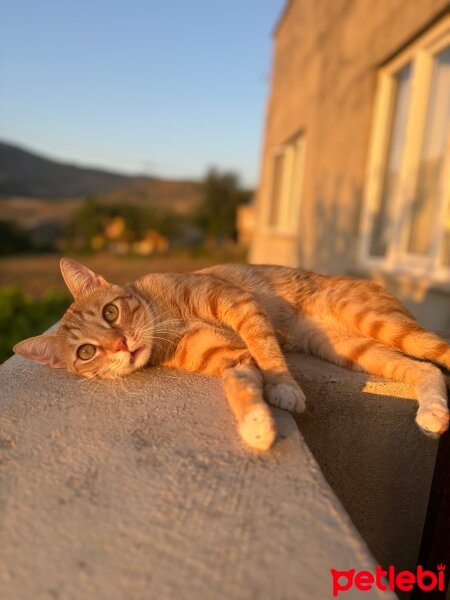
(365, 354)
(285, 394)
(412, 339)
(375, 313)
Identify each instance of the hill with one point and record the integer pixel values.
(35, 189)
(23, 173)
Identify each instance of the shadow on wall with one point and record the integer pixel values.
(330, 245)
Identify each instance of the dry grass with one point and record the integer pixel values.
(181, 197)
(36, 274)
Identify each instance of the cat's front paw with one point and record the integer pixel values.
(286, 394)
(258, 428)
(433, 419)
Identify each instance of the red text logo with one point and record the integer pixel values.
(388, 579)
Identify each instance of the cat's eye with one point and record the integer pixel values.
(86, 351)
(110, 313)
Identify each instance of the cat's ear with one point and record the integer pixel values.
(43, 349)
(79, 279)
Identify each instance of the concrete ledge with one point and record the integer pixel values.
(144, 491)
(362, 432)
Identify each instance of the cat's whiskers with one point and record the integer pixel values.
(96, 376)
(156, 323)
(165, 323)
(159, 316)
(147, 305)
(173, 332)
(155, 315)
(164, 339)
(152, 331)
(104, 370)
(148, 328)
(148, 333)
(154, 298)
(143, 315)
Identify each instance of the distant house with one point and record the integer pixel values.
(355, 174)
(245, 224)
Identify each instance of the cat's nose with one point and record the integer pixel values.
(119, 343)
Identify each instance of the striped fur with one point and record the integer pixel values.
(234, 321)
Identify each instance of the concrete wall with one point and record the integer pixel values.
(326, 57)
(362, 432)
(143, 489)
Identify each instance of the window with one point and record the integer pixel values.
(406, 221)
(286, 184)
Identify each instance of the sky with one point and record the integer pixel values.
(166, 87)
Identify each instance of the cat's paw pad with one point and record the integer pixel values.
(286, 395)
(433, 419)
(258, 428)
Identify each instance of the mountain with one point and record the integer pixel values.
(23, 173)
(34, 189)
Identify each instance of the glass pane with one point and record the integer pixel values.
(382, 227)
(429, 184)
(277, 182)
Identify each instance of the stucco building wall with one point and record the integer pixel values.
(326, 57)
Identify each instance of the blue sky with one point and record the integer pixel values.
(162, 87)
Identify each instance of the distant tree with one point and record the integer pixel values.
(222, 194)
(140, 219)
(12, 239)
(86, 222)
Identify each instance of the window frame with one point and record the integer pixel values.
(291, 186)
(421, 54)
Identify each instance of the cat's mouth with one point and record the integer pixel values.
(135, 354)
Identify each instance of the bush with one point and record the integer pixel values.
(22, 317)
(90, 220)
(12, 239)
(86, 222)
(222, 194)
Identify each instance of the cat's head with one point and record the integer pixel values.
(105, 333)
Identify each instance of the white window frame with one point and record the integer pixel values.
(421, 56)
(290, 198)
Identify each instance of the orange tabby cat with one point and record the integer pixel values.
(233, 321)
